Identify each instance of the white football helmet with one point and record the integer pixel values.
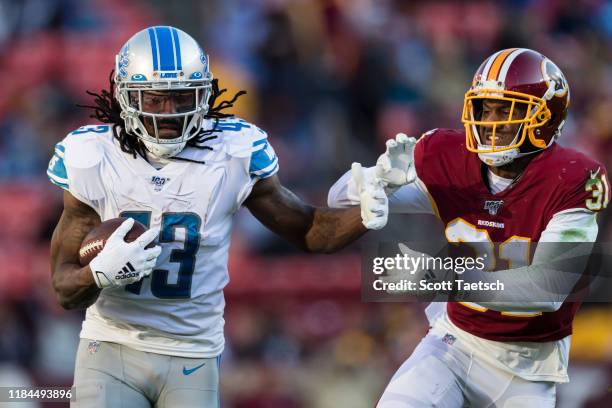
(162, 59)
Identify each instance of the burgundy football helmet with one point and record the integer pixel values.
(522, 77)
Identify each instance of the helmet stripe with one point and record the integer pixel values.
(153, 40)
(488, 64)
(497, 64)
(177, 49)
(166, 51)
(508, 62)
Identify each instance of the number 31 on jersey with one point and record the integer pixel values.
(598, 186)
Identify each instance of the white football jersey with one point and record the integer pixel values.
(178, 309)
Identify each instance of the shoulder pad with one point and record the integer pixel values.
(440, 143)
(429, 132)
(443, 138)
(581, 182)
(239, 137)
(84, 146)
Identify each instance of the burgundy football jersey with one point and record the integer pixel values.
(555, 180)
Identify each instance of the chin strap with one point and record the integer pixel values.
(497, 159)
(492, 159)
(164, 151)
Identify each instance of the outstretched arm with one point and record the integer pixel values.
(396, 170)
(313, 229)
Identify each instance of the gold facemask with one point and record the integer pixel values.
(536, 115)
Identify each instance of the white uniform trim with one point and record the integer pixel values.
(56, 178)
(497, 184)
(59, 153)
(267, 169)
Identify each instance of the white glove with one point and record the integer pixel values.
(372, 198)
(121, 263)
(395, 167)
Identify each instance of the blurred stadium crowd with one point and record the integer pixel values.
(329, 80)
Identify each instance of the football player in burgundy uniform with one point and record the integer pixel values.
(502, 179)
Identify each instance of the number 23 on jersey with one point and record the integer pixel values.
(185, 257)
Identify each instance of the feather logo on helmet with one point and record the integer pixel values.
(204, 61)
(203, 58)
(124, 61)
(554, 79)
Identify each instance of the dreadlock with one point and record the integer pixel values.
(106, 109)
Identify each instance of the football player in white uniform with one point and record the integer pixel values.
(168, 157)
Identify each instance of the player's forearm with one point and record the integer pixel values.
(312, 229)
(74, 286)
(333, 229)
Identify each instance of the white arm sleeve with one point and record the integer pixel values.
(555, 268)
(412, 198)
(344, 191)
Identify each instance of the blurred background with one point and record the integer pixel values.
(330, 81)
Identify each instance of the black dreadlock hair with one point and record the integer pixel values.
(106, 109)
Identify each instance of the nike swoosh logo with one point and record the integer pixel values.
(191, 370)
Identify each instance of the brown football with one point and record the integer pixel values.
(96, 238)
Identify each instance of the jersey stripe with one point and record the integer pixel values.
(166, 50)
(154, 56)
(54, 175)
(268, 173)
(259, 145)
(267, 169)
(55, 178)
(57, 182)
(59, 151)
(264, 161)
(497, 64)
(56, 171)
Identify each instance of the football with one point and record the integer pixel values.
(96, 238)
